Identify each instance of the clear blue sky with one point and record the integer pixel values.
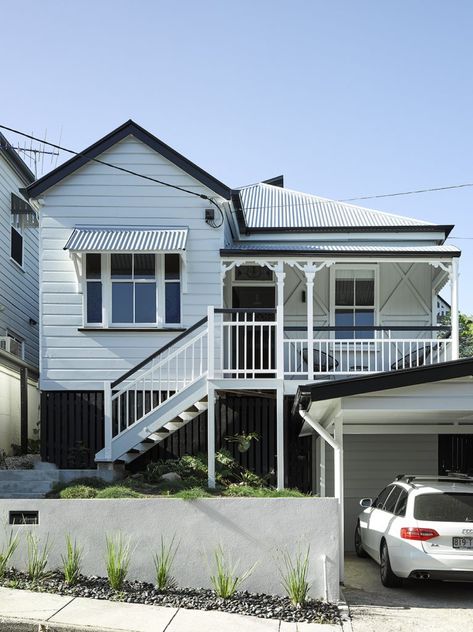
(344, 98)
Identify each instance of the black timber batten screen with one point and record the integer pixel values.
(72, 428)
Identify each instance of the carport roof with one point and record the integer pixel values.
(310, 393)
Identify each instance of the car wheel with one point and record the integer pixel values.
(359, 550)
(388, 578)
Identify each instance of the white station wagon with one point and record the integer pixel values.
(419, 527)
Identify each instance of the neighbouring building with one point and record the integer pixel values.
(19, 317)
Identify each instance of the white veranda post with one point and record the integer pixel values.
(280, 275)
(454, 309)
(309, 270)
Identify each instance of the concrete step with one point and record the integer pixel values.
(29, 475)
(20, 495)
(28, 486)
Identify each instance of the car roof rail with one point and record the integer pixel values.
(450, 477)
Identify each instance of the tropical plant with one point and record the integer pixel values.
(163, 561)
(7, 551)
(243, 440)
(226, 579)
(37, 557)
(465, 326)
(118, 557)
(72, 561)
(294, 577)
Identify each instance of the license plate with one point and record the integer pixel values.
(462, 543)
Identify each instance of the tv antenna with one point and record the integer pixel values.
(36, 154)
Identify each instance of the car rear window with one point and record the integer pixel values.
(444, 507)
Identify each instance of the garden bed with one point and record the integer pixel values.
(246, 603)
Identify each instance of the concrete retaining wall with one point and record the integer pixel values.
(249, 529)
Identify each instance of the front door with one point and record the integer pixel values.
(253, 346)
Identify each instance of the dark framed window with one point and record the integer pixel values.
(172, 289)
(16, 250)
(133, 278)
(354, 303)
(93, 275)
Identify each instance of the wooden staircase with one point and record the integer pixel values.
(157, 397)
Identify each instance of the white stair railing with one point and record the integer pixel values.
(159, 378)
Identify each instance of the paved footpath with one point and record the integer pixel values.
(21, 610)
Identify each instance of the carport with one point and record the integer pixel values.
(382, 425)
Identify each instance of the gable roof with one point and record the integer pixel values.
(118, 134)
(15, 161)
(322, 391)
(270, 208)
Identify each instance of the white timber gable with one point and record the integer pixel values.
(78, 357)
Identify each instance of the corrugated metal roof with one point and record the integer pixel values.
(266, 206)
(304, 248)
(127, 239)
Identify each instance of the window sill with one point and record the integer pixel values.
(130, 329)
(17, 265)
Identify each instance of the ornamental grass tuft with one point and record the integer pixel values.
(163, 561)
(226, 580)
(7, 551)
(72, 561)
(37, 557)
(294, 577)
(118, 556)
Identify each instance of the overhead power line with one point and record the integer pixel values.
(108, 164)
(414, 192)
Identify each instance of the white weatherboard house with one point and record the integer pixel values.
(18, 303)
(176, 310)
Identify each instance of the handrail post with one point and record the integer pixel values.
(107, 415)
(211, 342)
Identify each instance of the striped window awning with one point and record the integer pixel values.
(127, 239)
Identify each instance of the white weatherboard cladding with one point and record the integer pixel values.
(98, 195)
(373, 461)
(18, 287)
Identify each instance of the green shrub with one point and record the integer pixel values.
(117, 560)
(78, 491)
(294, 577)
(260, 492)
(7, 551)
(71, 561)
(226, 581)
(118, 491)
(163, 561)
(192, 493)
(37, 557)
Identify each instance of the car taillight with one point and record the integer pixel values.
(418, 533)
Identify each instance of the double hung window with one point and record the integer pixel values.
(354, 303)
(132, 290)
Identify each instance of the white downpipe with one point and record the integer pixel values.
(455, 310)
(322, 468)
(324, 565)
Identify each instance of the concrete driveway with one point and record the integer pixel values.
(425, 606)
